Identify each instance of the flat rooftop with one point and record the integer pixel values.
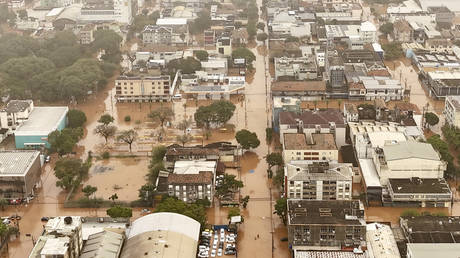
(328, 254)
(382, 241)
(314, 141)
(325, 212)
(312, 118)
(432, 229)
(430, 250)
(16, 163)
(42, 121)
(419, 185)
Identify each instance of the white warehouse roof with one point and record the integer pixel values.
(172, 21)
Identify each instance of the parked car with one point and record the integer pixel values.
(219, 252)
(44, 219)
(214, 245)
(230, 252)
(213, 253)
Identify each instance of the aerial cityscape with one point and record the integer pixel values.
(230, 128)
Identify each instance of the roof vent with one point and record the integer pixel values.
(68, 220)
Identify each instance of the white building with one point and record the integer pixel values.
(381, 242)
(452, 110)
(120, 11)
(368, 32)
(382, 88)
(15, 113)
(315, 146)
(318, 180)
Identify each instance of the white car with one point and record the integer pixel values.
(216, 237)
(219, 252)
(222, 238)
(203, 254)
(213, 253)
(214, 245)
(229, 245)
(230, 240)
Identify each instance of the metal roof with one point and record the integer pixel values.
(410, 149)
(16, 162)
(42, 121)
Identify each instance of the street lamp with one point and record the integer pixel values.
(33, 239)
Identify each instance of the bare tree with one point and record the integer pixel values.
(185, 138)
(106, 131)
(127, 136)
(162, 114)
(184, 124)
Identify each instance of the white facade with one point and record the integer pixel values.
(15, 113)
(452, 110)
(122, 12)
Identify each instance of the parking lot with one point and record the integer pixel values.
(217, 243)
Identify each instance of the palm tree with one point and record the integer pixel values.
(113, 197)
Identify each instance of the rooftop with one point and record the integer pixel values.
(455, 100)
(190, 151)
(325, 212)
(419, 185)
(194, 166)
(432, 229)
(382, 241)
(410, 149)
(15, 106)
(17, 163)
(105, 244)
(424, 250)
(290, 86)
(304, 170)
(369, 172)
(320, 117)
(55, 246)
(171, 21)
(327, 254)
(59, 224)
(42, 121)
(314, 141)
(203, 177)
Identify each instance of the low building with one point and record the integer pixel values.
(452, 111)
(15, 113)
(431, 229)
(303, 68)
(215, 66)
(427, 192)
(154, 34)
(19, 174)
(162, 234)
(34, 132)
(86, 34)
(309, 180)
(317, 121)
(402, 31)
(350, 112)
(382, 88)
(325, 225)
(443, 83)
(307, 90)
(381, 242)
(179, 153)
(143, 89)
(105, 244)
(314, 146)
(428, 250)
(62, 237)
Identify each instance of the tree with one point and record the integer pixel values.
(202, 55)
(106, 119)
(76, 118)
(3, 203)
(262, 36)
(22, 14)
(410, 213)
(162, 114)
(156, 163)
(146, 193)
(106, 131)
(291, 39)
(245, 201)
(201, 23)
(386, 28)
(113, 197)
(274, 159)
(158, 153)
(229, 184)
(194, 211)
(120, 212)
(89, 190)
(127, 136)
(64, 141)
(184, 124)
(247, 139)
(244, 53)
(218, 113)
(281, 209)
(260, 25)
(70, 172)
(109, 41)
(269, 135)
(188, 65)
(251, 29)
(393, 50)
(183, 139)
(431, 119)
(233, 211)
(278, 180)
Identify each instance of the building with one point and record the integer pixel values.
(452, 110)
(300, 69)
(143, 89)
(15, 113)
(86, 34)
(119, 11)
(325, 225)
(224, 45)
(402, 31)
(34, 132)
(305, 90)
(443, 15)
(443, 83)
(428, 250)
(309, 180)
(19, 174)
(427, 192)
(368, 32)
(154, 34)
(350, 112)
(62, 237)
(317, 121)
(105, 244)
(378, 87)
(314, 146)
(381, 242)
(173, 31)
(431, 229)
(190, 180)
(162, 234)
(179, 153)
(209, 37)
(215, 66)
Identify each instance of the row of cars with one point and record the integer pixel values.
(216, 243)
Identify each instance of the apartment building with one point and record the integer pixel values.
(452, 110)
(309, 180)
(313, 146)
(378, 87)
(143, 89)
(154, 34)
(302, 68)
(325, 225)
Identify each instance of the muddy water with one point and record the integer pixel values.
(392, 214)
(122, 176)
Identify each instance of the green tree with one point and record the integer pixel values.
(229, 184)
(262, 36)
(162, 114)
(76, 118)
(274, 159)
(65, 56)
(63, 142)
(184, 139)
(109, 41)
(260, 25)
(278, 180)
(251, 29)
(201, 23)
(410, 213)
(158, 153)
(247, 139)
(386, 28)
(269, 135)
(233, 211)
(244, 53)
(70, 172)
(202, 55)
(147, 192)
(106, 131)
(106, 119)
(127, 136)
(393, 50)
(89, 190)
(188, 65)
(431, 119)
(156, 163)
(245, 201)
(218, 113)
(281, 209)
(194, 211)
(3, 229)
(113, 197)
(291, 39)
(119, 212)
(3, 203)
(22, 14)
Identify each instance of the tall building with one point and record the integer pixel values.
(143, 89)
